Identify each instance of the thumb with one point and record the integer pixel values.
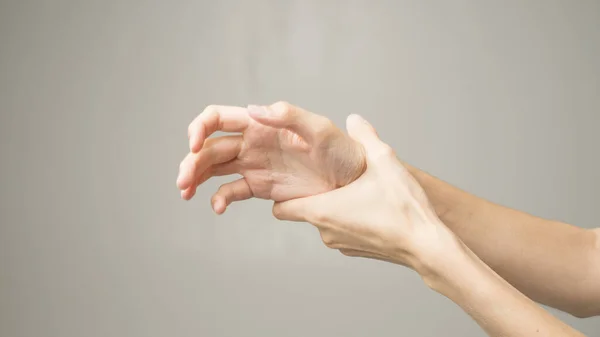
(363, 132)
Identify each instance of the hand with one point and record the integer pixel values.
(384, 214)
(283, 153)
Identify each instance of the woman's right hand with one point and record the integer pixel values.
(385, 215)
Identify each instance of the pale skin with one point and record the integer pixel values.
(488, 259)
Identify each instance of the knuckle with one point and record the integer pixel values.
(210, 109)
(384, 152)
(328, 240)
(231, 193)
(224, 190)
(210, 113)
(324, 127)
(347, 252)
(283, 108)
(283, 105)
(318, 217)
(211, 154)
(197, 123)
(387, 150)
(210, 150)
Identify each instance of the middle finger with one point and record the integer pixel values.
(216, 151)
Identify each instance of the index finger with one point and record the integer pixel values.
(216, 118)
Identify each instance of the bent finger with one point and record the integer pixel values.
(224, 169)
(306, 124)
(226, 194)
(216, 118)
(188, 193)
(217, 150)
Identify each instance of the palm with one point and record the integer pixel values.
(279, 165)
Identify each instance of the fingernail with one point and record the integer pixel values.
(360, 118)
(357, 118)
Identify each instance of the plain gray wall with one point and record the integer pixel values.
(501, 98)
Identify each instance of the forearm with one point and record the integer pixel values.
(551, 262)
(493, 303)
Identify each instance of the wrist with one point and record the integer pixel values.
(451, 204)
(460, 274)
(441, 259)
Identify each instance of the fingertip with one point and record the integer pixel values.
(189, 192)
(185, 179)
(362, 131)
(218, 205)
(357, 120)
(182, 183)
(353, 117)
(185, 195)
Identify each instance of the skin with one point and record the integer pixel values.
(401, 227)
(553, 263)
(306, 155)
(285, 153)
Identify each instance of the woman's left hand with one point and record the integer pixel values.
(384, 214)
(282, 152)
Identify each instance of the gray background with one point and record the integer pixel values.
(500, 98)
